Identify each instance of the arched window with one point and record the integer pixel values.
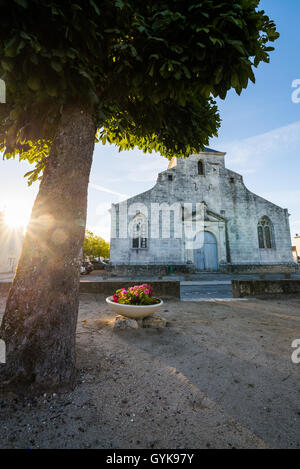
(200, 168)
(140, 232)
(265, 233)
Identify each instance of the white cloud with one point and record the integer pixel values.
(105, 189)
(247, 155)
(143, 170)
(285, 199)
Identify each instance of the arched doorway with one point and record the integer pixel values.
(206, 256)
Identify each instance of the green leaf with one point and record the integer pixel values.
(7, 65)
(235, 80)
(22, 3)
(56, 66)
(51, 90)
(151, 71)
(24, 35)
(34, 83)
(95, 7)
(86, 75)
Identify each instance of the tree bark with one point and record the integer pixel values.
(39, 323)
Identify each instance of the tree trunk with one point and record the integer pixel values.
(39, 323)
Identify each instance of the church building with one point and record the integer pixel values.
(230, 229)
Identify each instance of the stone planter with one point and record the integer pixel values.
(133, 311)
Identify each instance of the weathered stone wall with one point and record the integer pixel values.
(233, 221)
(132, 270)
(149, 270)
(248, 288)
(262, 268)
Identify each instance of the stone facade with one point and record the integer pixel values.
(237, 230)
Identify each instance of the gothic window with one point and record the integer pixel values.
(140, 232)
(261, 241)
(200, 168)
(170, 177)
(264, 232)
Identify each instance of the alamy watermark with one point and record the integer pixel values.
(296, 353)
(2, 352)
(2, 92)
(296, 93)
(141, 222)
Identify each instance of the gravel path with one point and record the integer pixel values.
(219, 376)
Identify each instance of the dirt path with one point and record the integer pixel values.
(220, 375)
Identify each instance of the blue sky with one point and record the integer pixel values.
(260, 132)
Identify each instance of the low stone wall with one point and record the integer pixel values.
(161, 288)
(150, 269)
(248, 288)
(262, 268)
(162, 270)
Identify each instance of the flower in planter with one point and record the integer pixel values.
(137, 295)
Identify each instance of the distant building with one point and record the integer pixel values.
(240, 232)
(11, 240)
(296, 248)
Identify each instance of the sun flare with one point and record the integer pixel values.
(16, 215)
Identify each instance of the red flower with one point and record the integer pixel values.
(115, 298)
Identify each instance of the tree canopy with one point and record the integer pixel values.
(149, 70)
(94, 246)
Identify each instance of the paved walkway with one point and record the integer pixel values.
(205, 290)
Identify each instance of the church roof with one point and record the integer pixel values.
(210, 150)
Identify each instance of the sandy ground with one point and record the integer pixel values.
(219, 376)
